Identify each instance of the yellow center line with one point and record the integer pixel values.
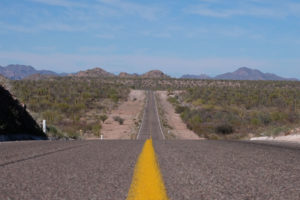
(147, 182)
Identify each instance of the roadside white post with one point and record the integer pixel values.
(44, 126)
(101, 137)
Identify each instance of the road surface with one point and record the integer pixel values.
(150, 127)
(190, 169)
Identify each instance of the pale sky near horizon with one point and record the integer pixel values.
(175, 36)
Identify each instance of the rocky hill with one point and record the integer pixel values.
(154, 74)
(243, 73)
(5, 82)
(95, 72)
(17, 72)
(2, 80)
(15, 122)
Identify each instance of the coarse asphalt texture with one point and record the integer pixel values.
(103, 169)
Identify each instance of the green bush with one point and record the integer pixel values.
(119, 119)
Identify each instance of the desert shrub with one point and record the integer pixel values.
(73, 135)
(180, 109)
(265, 118)
(224, 129)
(49, 115)
(172, 100)
(103, 118)
(198, 102)
(118, 119)
(247, 106)
(67, 102)
(96, 129)
(54, 132)
(277, 116)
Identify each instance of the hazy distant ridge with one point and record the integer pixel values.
(192, 76)
(243, 73)
(17, 72)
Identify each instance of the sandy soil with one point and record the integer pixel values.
(129, 111)
(287, 138)
(180, 131)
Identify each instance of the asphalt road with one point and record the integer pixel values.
(67, 170)
(229, 170)
(150, 127)
(190, 169)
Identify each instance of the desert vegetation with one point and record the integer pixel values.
(72, 106)
(119, 119)
(238, 108)
(75, 106)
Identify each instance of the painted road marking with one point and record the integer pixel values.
(162, 133)
(147, 182)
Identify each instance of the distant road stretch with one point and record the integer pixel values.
(150, 127)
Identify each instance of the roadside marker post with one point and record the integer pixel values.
(44, 126)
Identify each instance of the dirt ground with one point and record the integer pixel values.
(179, 129)
(286, 138)
(129, 111)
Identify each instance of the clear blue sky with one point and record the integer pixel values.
(175, 36)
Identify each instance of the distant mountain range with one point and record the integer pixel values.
(17, 72)
(98, 72)
(243, 73)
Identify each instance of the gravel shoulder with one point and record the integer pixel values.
(178, 127)
(130, 111)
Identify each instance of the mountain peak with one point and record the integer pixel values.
(95, 72)
(245, 73)
(155, 74)
(20, 67)
(16, 71)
